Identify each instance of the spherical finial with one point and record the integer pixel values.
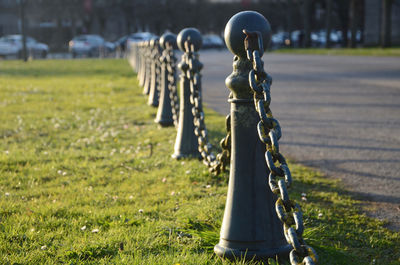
(167, 38)
(250, 21)
(195, 38)
(154, 41)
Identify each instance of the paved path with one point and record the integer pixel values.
(340, 114)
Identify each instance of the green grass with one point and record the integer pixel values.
(344, 51)
(87, 178)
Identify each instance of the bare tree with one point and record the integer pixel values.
(328, 22)
(353, 23)
(307, 23)
(386, 31)
(22, 6)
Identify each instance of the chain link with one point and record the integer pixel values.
(216, 164)
(156, 55)
(280, 179)
(170, 61)
(147, 62)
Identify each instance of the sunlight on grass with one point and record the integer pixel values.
(87, 178)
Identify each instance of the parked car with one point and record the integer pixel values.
(211, 41)
(321, 37)
(280, 39)
(11, 46)
(90, 46)
(110, 47)
(123, 42)
(120, 44)
(318, 38)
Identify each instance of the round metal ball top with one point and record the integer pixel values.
(195, 38)
(250, 21)
(167, 38)
(153, 42)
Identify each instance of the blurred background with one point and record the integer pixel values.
(103, 27)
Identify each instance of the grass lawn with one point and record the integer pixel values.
(344, 51)
(86, 177)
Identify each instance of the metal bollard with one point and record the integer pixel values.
(137, 57)
(250, 227)
(142, 64)
(186, 141)
(132, 56)
(164, 113)
(154, 72)
(172, 84)
(147, 67)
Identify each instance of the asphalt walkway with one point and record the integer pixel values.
(339, 114)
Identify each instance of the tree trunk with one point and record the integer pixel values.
(307, 23)
(289, 15)
(353, 26)
(386, 32)
(23, 31)
(73, 26)
(329, 4)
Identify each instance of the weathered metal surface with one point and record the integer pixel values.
(251, 228)
(172, 80)
(154, 55)
(164, 113)
(147, 67)
(186, 141)
(216, 163)
(142, 63)
(269, 132)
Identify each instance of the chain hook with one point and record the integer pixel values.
(252, 42)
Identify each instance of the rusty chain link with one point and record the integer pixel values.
(170, 61)
(156, 55)
(216, 164)
(280, 179)
(147, 61)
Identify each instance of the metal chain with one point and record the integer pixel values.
(170, 61)
(147, 59)
(156, 59)
(217, 164)
(280, 179)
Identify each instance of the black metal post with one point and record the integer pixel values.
(154, 72)
(147, 67)
(186, 144)
(250, 227)
(164, 113)
(142, 67)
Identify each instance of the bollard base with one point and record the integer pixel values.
(164, 123)
(252, 254)
(179, 156)
(153, 104)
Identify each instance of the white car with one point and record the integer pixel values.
(138, 37)
(90, 46)
(11, 46)
(211, 41)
